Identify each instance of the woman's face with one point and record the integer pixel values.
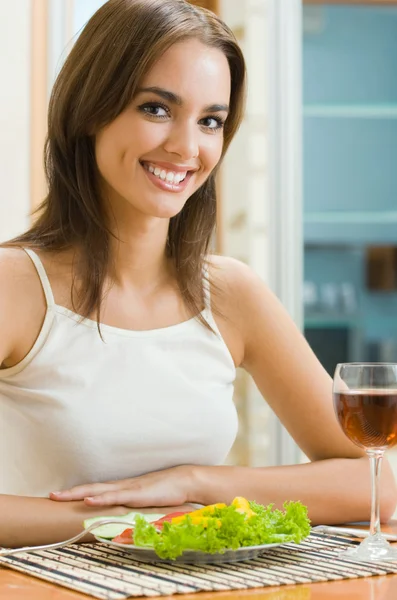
(165, 144)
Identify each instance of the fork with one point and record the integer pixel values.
(75, 538)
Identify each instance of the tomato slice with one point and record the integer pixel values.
(125, 537)
(159, 524)
(168, 518)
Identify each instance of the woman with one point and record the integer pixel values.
(120, 333)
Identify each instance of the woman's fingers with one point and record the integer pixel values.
(157, 490)
(82, 491)
(118, 497)
(135, 496)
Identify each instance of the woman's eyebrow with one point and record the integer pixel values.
(175, 99)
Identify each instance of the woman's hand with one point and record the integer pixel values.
(170, 487)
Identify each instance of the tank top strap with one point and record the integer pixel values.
(43, 277)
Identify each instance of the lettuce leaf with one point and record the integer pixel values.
(226, 529)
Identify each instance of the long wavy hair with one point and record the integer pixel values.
(100, 76)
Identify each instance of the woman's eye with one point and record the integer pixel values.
(155, 110)
(213, 123)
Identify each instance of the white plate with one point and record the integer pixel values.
(192, 556)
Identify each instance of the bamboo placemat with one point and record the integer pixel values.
(111, 574)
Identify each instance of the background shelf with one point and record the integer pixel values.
(324, 321)
(346, 111)
(354, 217)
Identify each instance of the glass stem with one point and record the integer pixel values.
(375, 459)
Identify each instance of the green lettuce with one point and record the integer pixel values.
(226, 529)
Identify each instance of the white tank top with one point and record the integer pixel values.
(78, 409)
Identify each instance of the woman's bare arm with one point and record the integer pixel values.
(28, 521)
(22, 305)
(298, 389)
(335, 490)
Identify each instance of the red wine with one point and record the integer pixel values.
(368, 417)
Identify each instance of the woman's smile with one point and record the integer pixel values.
(170, 178)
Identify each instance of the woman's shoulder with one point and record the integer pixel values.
(225, 268)
(234, 278)
(242, 295)
(21, 299)
(241, 299)
(16, 272)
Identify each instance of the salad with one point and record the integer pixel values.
(213, 529)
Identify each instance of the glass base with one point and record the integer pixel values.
(373, 548)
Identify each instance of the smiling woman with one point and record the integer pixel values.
(121, 334)
(91, 92)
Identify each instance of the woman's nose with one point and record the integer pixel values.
(183, 141)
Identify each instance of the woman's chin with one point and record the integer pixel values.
(166, 210)
(160, 208)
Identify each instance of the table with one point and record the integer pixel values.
(15, 586)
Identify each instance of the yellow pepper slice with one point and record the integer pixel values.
(242, 506)
(201, 512)
(202, 515)
(200, 520)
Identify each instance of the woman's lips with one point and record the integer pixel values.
(166, 185)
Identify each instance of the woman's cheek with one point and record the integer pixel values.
(214, 152)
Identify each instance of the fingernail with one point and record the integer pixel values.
(90, 499)
(56, 493)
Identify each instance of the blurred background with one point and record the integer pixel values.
(308, 189)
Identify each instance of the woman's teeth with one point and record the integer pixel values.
(168, 176)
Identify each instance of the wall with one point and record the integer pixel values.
(83, 11)
(14, 116)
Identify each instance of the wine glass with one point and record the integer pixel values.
(365, 402)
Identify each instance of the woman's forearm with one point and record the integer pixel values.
(334, 490)
(26, 521)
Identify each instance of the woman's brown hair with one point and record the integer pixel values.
(117, 47)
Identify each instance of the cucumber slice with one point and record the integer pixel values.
(110, 531)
